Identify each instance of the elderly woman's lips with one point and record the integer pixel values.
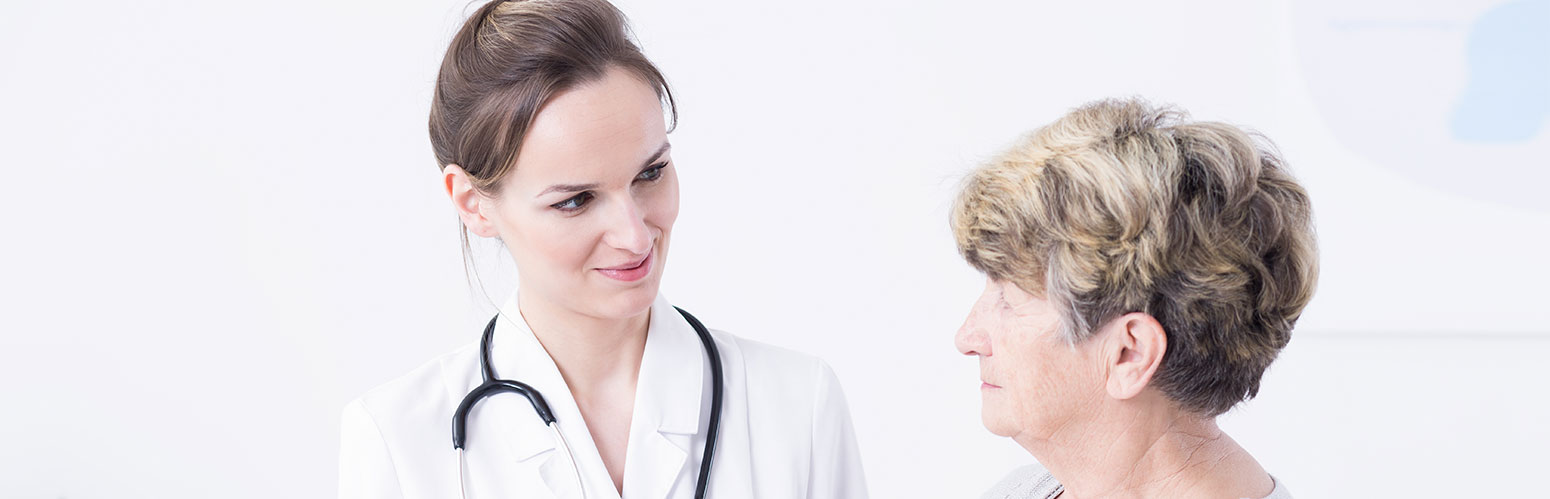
(984, 385)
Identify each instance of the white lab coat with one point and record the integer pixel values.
(785, 428)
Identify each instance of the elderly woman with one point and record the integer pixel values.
(1142, 272)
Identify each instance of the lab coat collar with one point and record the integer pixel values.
(667, 407)
(667, 404)
(672, 373)
(517, 355)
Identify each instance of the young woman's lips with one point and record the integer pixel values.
(631, 273)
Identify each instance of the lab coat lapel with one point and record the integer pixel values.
(536, 458)
(535, 455)
(557, 474)
(510, 450)
(673, 373)
(653, 465)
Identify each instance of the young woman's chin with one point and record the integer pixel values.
(623, 303)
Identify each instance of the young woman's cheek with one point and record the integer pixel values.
(665, 196)
(559, 240)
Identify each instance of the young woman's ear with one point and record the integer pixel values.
(1135, 345)
(467, 201)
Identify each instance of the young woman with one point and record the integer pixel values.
(550, 130)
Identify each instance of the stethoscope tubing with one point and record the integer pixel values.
(492, 385)
(715, 401)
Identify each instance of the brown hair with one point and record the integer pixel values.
(1123, 207)
(510, 58)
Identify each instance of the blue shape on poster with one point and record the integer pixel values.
(1508, 95)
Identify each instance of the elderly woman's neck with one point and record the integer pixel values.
(1148, 453)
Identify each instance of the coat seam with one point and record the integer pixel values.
(388, 448)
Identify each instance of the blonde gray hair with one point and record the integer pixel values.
(1120, 207)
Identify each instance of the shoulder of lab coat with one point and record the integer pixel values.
(362, 448)
(777, 379)
(367, 466)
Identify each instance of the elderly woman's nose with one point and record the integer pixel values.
(971, 338)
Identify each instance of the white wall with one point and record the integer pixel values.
(221, 223)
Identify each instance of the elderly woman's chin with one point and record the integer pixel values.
(994, 415)
(1018, 413)
(1003, 426)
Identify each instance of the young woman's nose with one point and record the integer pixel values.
(627, 228)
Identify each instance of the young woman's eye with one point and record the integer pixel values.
(653, 173)
(573, 203)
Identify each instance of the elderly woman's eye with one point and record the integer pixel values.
(653, 173)
(573, 203)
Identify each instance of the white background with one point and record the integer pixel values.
(222, 222)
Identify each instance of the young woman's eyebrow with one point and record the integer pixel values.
(656, 155)
(587, 187)
(567, 188)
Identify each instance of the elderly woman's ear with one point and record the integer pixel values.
(1133, 349)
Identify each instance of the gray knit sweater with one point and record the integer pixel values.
(1035, 482)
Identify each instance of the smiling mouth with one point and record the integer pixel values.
(633, 271)
(632, 265)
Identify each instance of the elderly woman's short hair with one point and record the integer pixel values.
(1120, 207)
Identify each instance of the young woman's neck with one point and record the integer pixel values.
(591, 352)
(1146, 452)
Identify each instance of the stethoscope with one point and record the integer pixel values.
(493, 385)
